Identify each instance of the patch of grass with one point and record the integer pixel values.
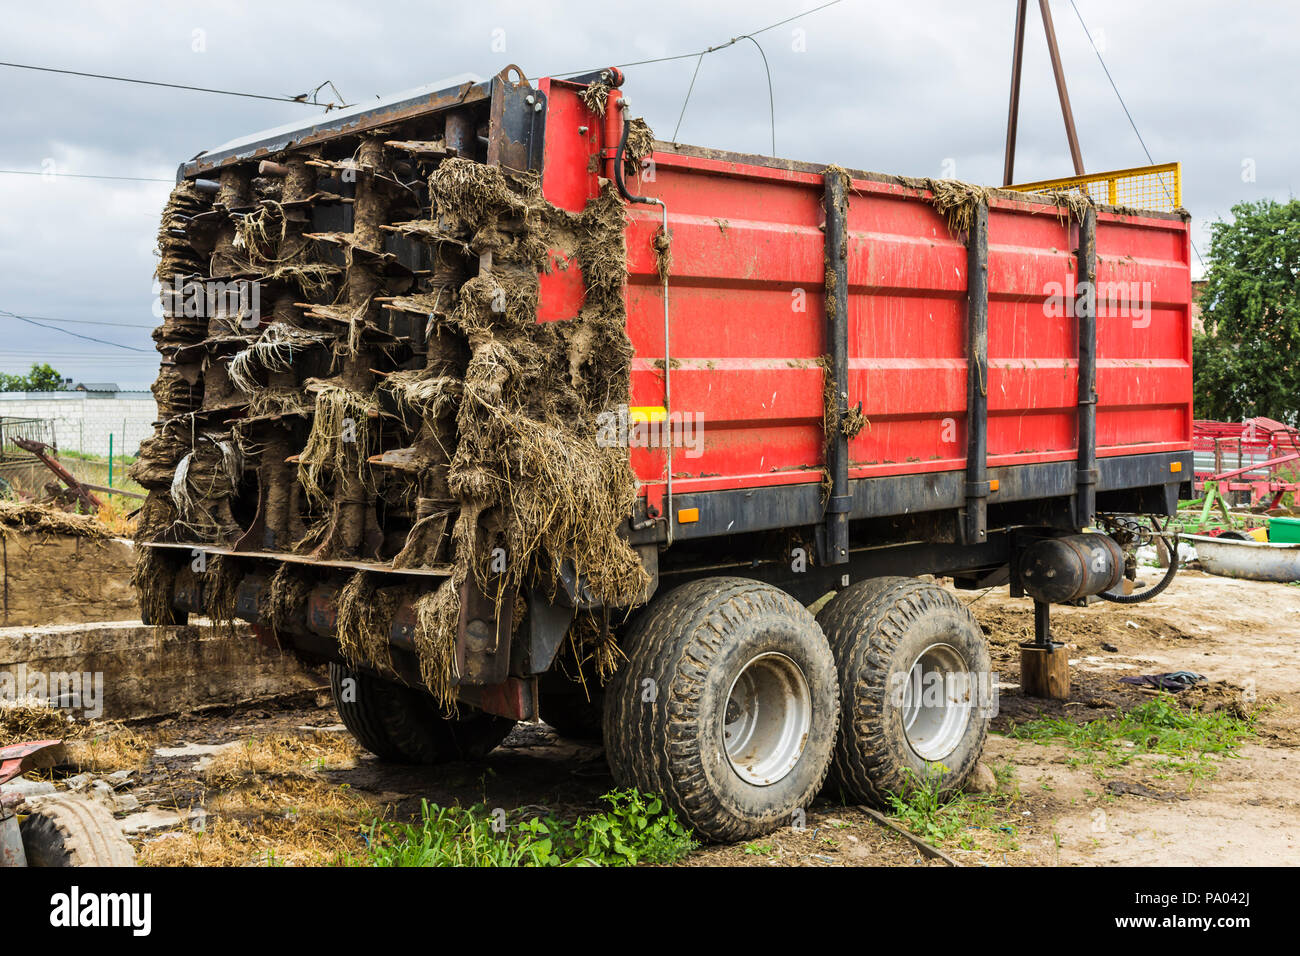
(940, 817)
(1189, 738)
(1004, 772)
(637, 828)
(758, 849)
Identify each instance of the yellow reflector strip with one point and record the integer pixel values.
(1175, 466)
(646, 413)
(687, 515)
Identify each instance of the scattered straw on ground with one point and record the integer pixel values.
(27, 518)
(281, 755)
(295, 820)
(26, 720)
(109, 749)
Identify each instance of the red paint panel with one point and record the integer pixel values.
(748, 327)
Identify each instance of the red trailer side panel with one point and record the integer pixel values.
(748, 328)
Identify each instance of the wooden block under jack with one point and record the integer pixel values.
(1045, 671)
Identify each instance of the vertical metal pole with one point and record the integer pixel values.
(1042, 624)
(977, 375)
(1013, 112)
(1061, 91)
(1085, 307)
(835, 200)
(110, 459)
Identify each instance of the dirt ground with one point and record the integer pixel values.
(1245, 637)
(284, 783)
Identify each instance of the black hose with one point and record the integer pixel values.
(618, 170)
(1149, 593)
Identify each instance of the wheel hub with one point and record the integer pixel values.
(936, 702)
(767, 719)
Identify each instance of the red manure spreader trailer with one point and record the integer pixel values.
(819, 387)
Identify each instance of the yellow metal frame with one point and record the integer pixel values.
(1157, 188)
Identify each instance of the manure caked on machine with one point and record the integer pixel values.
(508, 411)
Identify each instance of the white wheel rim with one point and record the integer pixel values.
(936, 702)
(767, 719)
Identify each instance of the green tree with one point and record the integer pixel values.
(42, 378)
(1247, 361)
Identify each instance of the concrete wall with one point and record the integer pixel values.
(84, 420)
(148, 671)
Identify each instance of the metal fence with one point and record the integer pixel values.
(1157, 188)
(32, 429)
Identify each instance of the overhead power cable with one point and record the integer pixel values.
(699, 59)
(712, 49)
(55, 328)
(1124, 106)
(118, 325)
(32, 172)
(307, 99)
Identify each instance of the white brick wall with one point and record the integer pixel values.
(83, 423)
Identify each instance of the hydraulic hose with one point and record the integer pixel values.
(668, 394)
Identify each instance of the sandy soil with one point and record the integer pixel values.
(1243, 633)
(312, 796)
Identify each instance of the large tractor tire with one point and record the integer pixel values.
(727, 705)
(403, 725)
(72, 831)
(915, 680)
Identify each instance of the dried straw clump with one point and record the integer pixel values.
(220, 593)
(501, 299)
(595, 97)
(471, 192)
(273, 351)
(956, 201)
(202, 485)
(504, 214)
(426, 396)
(286, 597)
(27, 518)
(280, 756)
(27, 719)
(154, 579)
(854, 422)
(278, 401)
(1070, 203)
(663, 244)
(437, 614)
(640, 144)
(365, 620)
(593, 643)
(340, 440)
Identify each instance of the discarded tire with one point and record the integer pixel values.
(70, 831)
(727, 705)
(402, 725)
(914, 677)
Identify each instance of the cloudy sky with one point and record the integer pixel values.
(917, 88)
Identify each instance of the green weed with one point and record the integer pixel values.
(637, 828)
